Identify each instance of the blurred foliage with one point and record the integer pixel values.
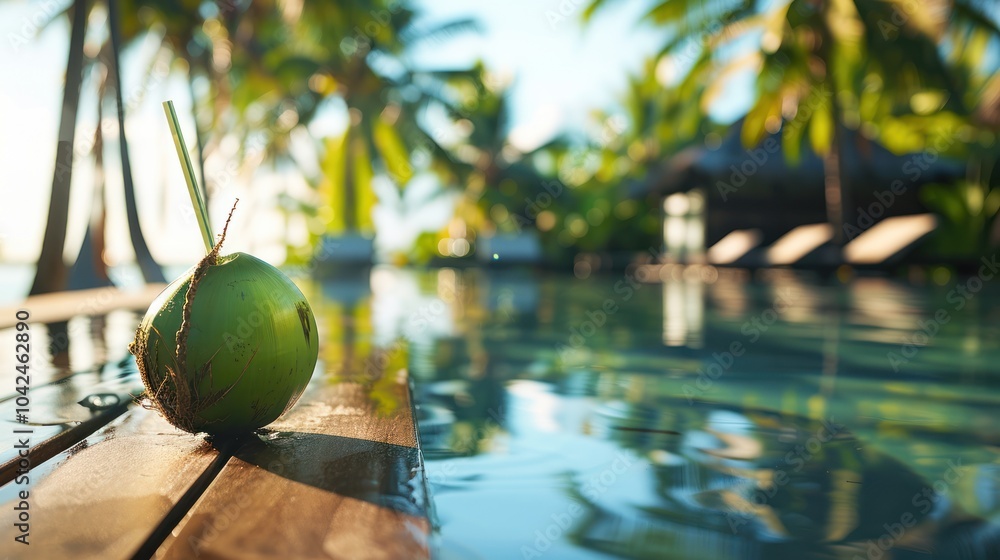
(969, 212)
(267, 75)
(912, 75)
(629, 152)
(861, 63)
(579, 193)
(263, 71)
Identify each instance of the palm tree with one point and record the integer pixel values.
(657, 122)
(265, 61)
(90, 270)
(51, 273)
(816, 63)
(185, 37)
(503, 184)
(272, 65)
(969, 207)
(151, 271)
(355, 52)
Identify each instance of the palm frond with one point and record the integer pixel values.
(414, 35)
(591, 9)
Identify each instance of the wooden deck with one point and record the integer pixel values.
(49, 308)
(340, 476)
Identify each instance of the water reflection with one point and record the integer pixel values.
(754, 483)
(73, 376)
(683, 313)
(571, 419)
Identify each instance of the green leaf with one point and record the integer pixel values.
(393, 152)
(768, 105)
(331, 190)
(365, 198)
(946, 200)
(821, 128)
(669, 11)
(967, 13)
(591, 9)
(791, 141)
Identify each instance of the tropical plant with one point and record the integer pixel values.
(575, 192)
(969, 207)
(270, 67)
(51, 272)
(822, 66)
(628, 154)
(346, 59)
(508, 190)
(89, 268)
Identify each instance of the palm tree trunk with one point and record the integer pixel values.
(837, 196)
(151, 271)
(90, 270)
(50, 275)
(836, 191)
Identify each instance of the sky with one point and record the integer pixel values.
(561, 71)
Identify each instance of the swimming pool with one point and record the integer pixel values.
(669, 413)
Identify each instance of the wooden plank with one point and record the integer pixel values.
(339, 477)
(50, 446)
(103, 497)
(90, 348)
(59, 410)
(62, 306)
(57, 419)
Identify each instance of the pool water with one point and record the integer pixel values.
(669, 413)
(680, 414)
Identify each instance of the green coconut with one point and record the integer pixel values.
(228, 347)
